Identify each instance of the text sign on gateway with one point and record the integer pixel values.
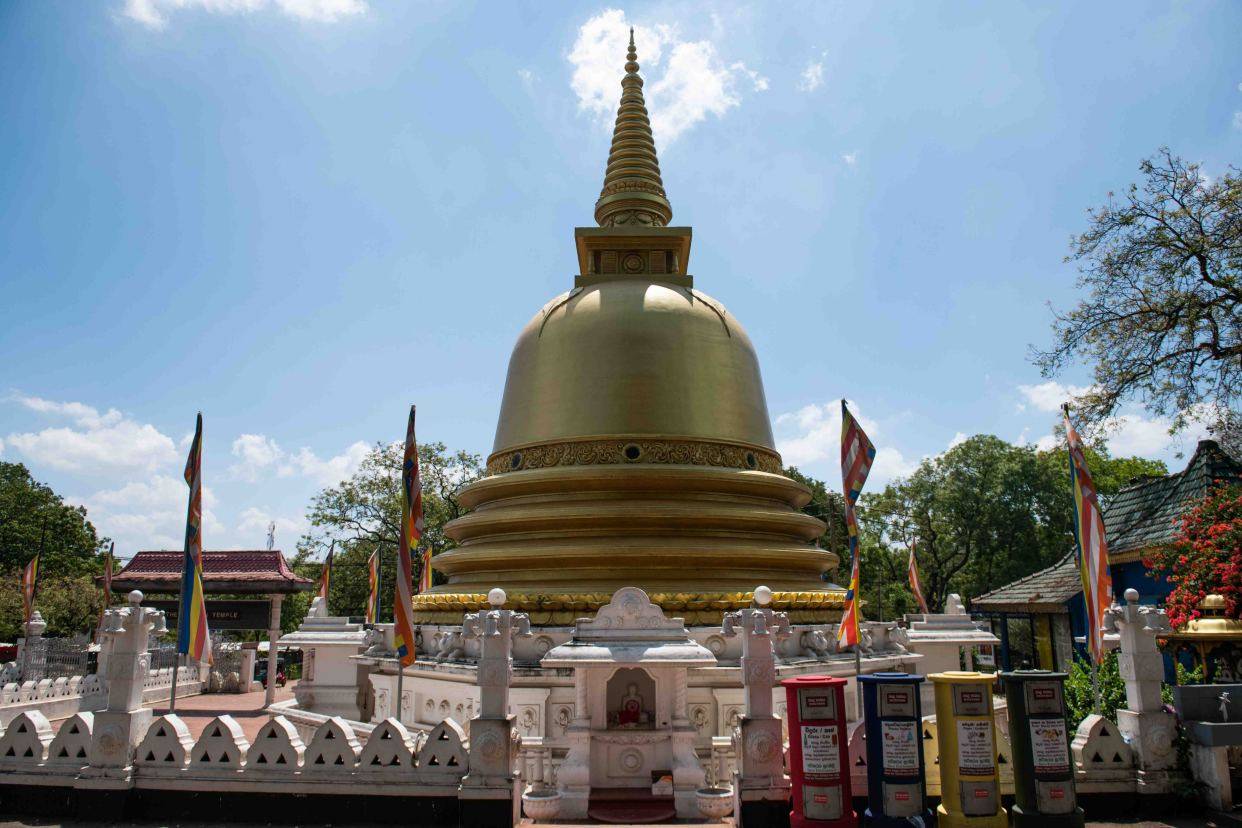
(223, 615)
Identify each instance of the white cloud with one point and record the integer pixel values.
(850, 158)
(959, 438)
(101, 443)
(254, 522)
(1048, 396)
(149, 514)
(154, 13)
(256, 453)
(812, 76)
(82, 414)
(1134, 434)
(1137, 435)
(812, 434)
(1047, 442)
(695, 81)
(528, 77)
(326, 472)
(1, 447)
(1237, 120)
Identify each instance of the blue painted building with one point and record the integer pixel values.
(1039, 617)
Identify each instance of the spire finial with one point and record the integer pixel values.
(633, 191)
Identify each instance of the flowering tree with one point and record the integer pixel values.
(1205, 558)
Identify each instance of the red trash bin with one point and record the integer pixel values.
(819, 766)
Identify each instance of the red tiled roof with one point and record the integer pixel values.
(224, 570)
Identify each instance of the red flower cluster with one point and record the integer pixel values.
(1205, 558)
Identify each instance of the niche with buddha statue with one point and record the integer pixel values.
(631, 700)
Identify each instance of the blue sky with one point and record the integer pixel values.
(302, 215)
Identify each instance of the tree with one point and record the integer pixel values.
(1227, 431)
(70, 604)
(982, 514)
(30, 513)
(1203, 558)
(1163, 318)
(363, 513)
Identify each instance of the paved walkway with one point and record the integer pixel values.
(246, 708)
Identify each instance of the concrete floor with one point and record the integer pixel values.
(198, 711)
(246, 708)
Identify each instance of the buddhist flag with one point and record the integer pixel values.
(1097, 585)
(424, 573)
(916, 586)
(857, 452)
(107, 576)
(373, 582)
(107, 586)
(411, 532)
(30, 580)
(325, 575)
(192, 636)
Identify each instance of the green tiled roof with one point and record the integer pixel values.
(1139, 517)
(1047, 589)
(1142, 516)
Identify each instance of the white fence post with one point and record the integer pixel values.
(118, 729)
(1144, 723)
(493, 741)
(760, 744)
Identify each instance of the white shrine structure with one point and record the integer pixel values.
(631, 717)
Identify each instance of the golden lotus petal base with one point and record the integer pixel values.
(563, 609)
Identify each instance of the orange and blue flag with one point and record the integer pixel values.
(193, 638)
(424, 573)
(325, 575)
(1097, 584)
(107, 586)
(411, 532)
(30, 580)
(373, 583)
(857, 454)
(916, 584)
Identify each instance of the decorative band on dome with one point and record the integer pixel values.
(549, 609)
(636, 450)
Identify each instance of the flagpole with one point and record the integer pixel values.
(400, 668)
(1095, 687)
(29, 613)
(172, 698)
(858, 643)
(1093, 564)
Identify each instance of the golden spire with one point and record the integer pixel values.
(633, 193)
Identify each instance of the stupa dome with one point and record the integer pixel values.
(633, 358)
(634, 446)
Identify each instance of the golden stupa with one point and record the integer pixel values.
(634, 446)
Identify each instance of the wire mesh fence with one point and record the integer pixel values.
(53, 658)
(162, 655)
(226, 662)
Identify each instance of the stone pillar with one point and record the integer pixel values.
(488, 790)
(273, 635)
(1144, 723)
(760, 757)
(329, 645)
(118, 729)
(31, 647)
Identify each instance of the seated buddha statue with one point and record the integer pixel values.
(631, 711)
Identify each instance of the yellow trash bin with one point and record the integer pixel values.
(970, 795)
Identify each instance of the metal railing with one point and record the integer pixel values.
(53, 658)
